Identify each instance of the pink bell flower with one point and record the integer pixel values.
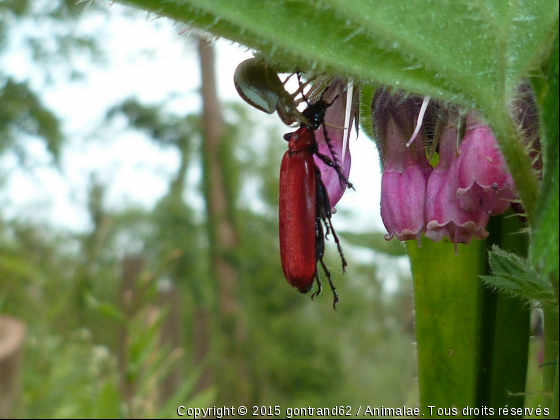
(402, 198)
(405, 169)
(483, 180)
(334, 125)
(444, 214)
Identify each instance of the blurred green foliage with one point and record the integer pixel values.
(55, 41)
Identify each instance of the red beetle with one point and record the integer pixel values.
(305, 206)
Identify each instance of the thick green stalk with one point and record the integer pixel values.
(505, 331)
(447, 296)
(550, 352)
(544, 252)
(554, 408)
(472, 342)
(505, 347)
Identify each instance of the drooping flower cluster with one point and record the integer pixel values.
(455, 199)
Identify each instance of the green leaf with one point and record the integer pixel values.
(366, 98)
(108, 405)
(16, 267)
(544, 247)
(144, 341)
(203, 399)
(418, 46)
(515, 276)
(160, 364)
(24, 112)
(106, 309)
(182, 396)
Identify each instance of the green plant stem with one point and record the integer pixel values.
(551, 334)
(472, 342)
(554, 407)
(504, 353)
(505, 330)
(447, 298)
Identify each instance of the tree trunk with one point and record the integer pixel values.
(12, 334)
(132, 268)
(223, 237)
